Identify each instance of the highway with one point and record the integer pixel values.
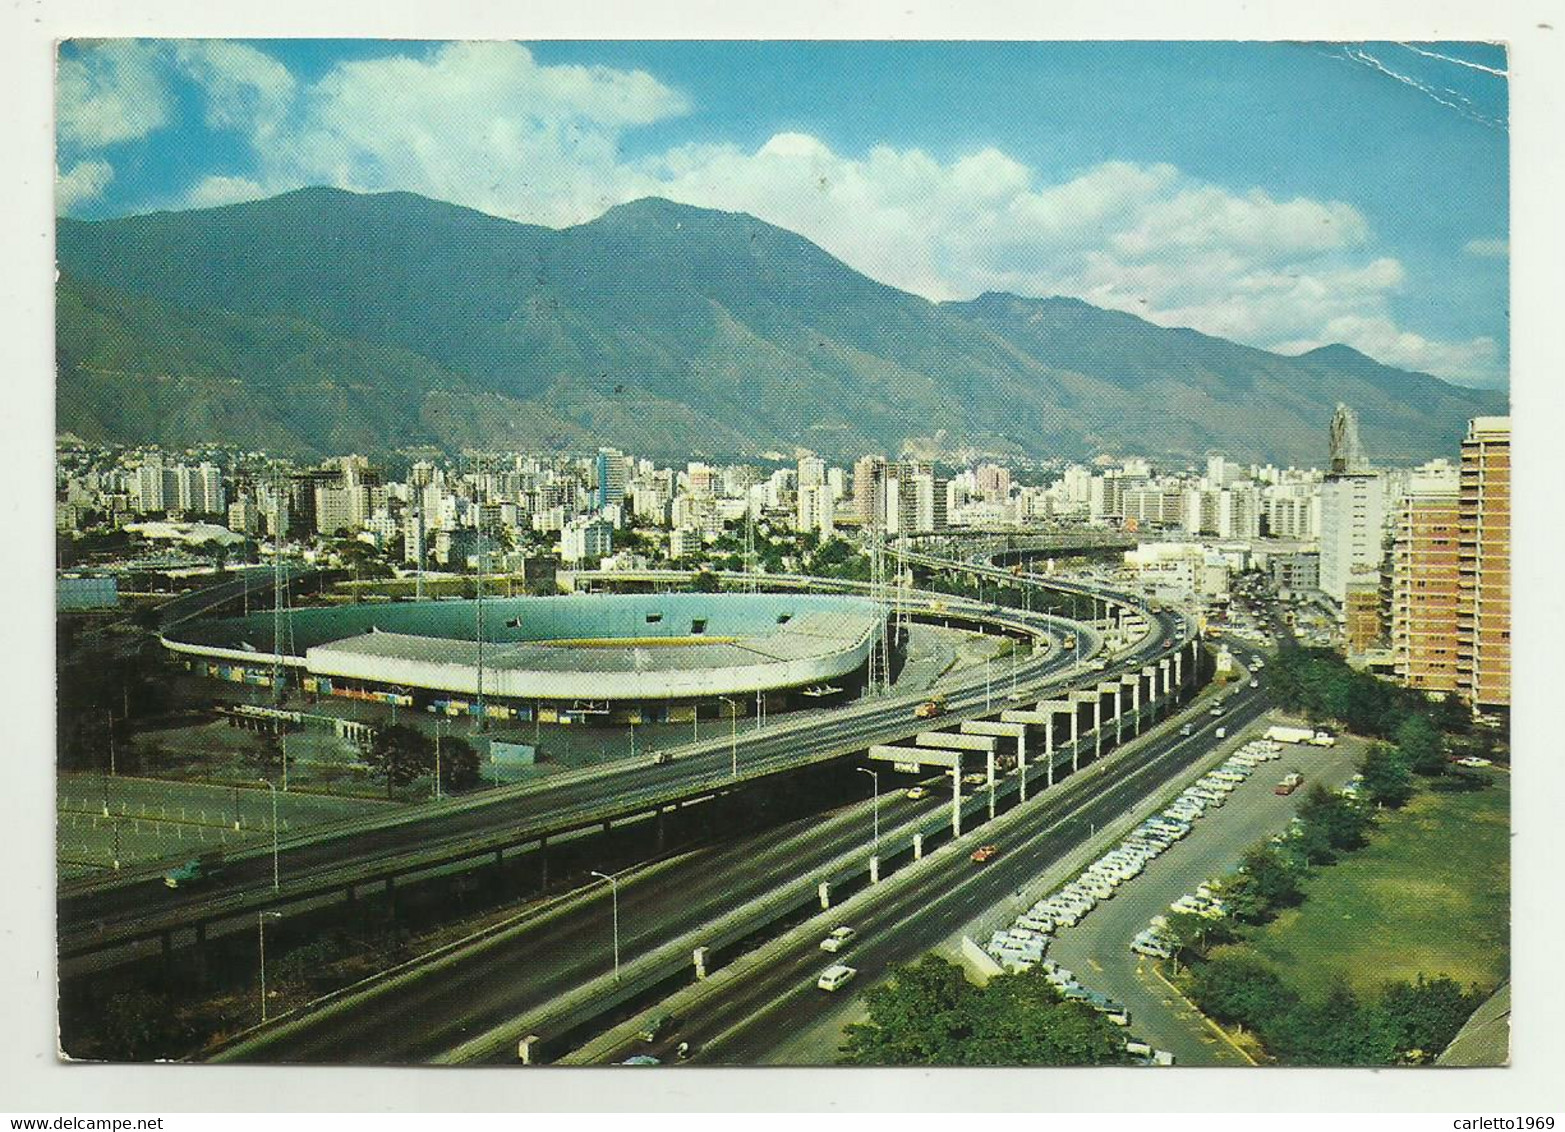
(742, 1021)
(572, 943)
(459, 999)
(94, 918)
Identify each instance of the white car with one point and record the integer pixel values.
(835, 977)
(838, 939)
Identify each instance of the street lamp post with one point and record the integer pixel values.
(276, 882)
(260, 927)
(614, 900)
(876, 776)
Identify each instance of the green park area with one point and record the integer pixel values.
(1428, 895)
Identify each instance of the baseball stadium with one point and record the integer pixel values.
(650, 657)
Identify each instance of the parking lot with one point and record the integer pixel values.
(1097, 950)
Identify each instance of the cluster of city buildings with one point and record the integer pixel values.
(1411, 564)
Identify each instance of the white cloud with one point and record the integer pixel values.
(213, 191)
(1488, 249)
(481, 124)
(488, 126)
(244, 88)
(83, 181)
(111, 91)
(1475, 361)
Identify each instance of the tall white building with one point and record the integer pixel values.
(585, 538)
(1352, 526)
(817, 510)
(209, 484)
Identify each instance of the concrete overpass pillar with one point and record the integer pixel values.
(1021, 765)
(1179, 674)
(825, 894)
(1135, 703)
(1048, 753)
(1097, 725)
(918, 847)
(527, 1050)
(1150, 672)
(1075, 736)
(956, 803)
(991, 784)
(874, 870)
(699, 957)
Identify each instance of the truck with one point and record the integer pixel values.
(1305, 735)
(935, 705)
(196, 871)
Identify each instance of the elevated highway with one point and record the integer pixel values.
(97, 920)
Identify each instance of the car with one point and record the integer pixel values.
(1255, 683)
(835, 977)
(1187, 730)
(1221, 733)
(839, 938)
(979, 779)
(1217, 710)
(917, 792)
(641, 1059)
(985, 853)
(1474, 762)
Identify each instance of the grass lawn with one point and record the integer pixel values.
(1429, 895)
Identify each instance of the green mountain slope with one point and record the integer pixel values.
(320, 318)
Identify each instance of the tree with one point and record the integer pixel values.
(400, 754)
(707, 583)
(1196, 933)
(1271, 885)
(1421, 746)
(1240, 990)
(920, 1016)
(458, 764)
(928, 1014)
(1424, 1016)
(1387, 779)
(1341, 823)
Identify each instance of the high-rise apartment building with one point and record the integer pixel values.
(812, 472)
(1483, 627)
(817, 510)
(1424, 588)
(869, 489)
(612, 476)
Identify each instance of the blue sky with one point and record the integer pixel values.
(1283, 195)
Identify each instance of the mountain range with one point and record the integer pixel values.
(323, 321)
